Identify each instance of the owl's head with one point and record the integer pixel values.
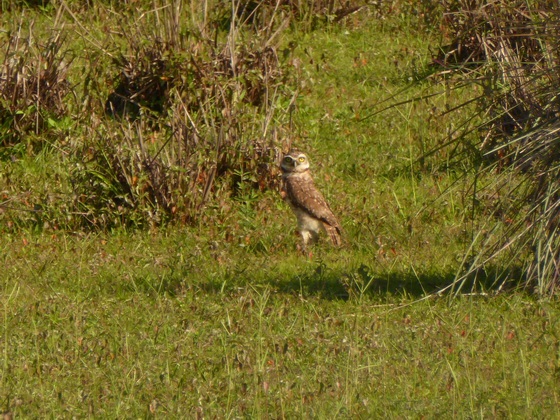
(294, 161)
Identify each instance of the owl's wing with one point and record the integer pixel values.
(304, 195)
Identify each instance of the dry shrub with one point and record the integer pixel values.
(510, 49)
(197, 120)
(144, 81)
(33, 86)
(11, 5)
(115, 180)
(267, 16)
(320, 10)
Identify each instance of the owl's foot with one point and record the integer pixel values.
(305, 251)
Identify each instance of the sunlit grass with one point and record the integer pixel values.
(123, 325)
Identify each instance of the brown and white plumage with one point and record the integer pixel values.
(308, 204)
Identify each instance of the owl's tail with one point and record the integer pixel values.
(334, 234)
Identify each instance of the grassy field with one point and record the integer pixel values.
(224, 318)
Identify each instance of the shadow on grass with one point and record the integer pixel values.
(333, 284)
(336, 284)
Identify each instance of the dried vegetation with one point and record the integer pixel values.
(33, 86)
(510, 51)
(199, 109)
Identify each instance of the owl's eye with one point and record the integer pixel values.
(301, 159)
(287, 159)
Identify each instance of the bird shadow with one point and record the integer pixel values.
(361, 282)
(339, 283)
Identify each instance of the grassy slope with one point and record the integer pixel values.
(225, 319)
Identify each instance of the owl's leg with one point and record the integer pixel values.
(309, 238)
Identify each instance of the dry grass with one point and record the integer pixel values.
(508, 49)
(33, 84)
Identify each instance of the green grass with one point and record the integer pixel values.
(225, 319)
(139, 324)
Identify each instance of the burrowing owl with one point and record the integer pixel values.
(312, 211)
